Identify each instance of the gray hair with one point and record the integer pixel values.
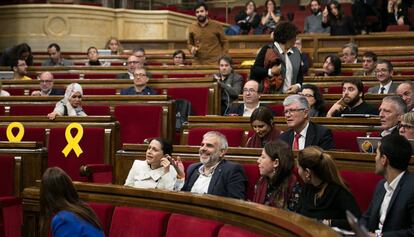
(408, 118)
(353, 47)
(398, 101)
(222, 139)
(303, 102)
(409, 83)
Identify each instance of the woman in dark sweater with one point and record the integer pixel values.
(248, 18)
(261, 121)
(324, 196)
(334, 17)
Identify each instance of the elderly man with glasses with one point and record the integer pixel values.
(301, 132)
(140, 84)
(132, 63)
(251, 98)
(46, 85)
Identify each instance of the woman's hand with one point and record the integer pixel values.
(325, 14)
(52, 115)
(178, 166)
(166, 164)
(400, 21)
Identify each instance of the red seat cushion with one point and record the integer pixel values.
(2, 110)
(189, 226)
(137, 222)
(362, 185)
(99, 91)
(198, 96)
(253, 175)
(30, 134)
(139, 122)
(104, 213)
(100, 76)
(31, 110)
(92, 144)
(97, 110)
(15, 91)
(277, 109)
(347, 140)
(6, 175)
(11, 218)
(233, 135)
(232, 231)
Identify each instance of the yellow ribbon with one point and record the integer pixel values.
(10, 134)
(73, 142)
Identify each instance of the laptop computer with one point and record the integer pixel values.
(6, 75)
(370, 144)
(104, 51)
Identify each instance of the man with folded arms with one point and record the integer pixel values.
(352, 101)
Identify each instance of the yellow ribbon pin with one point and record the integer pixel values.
(20, 133)
(73, 142)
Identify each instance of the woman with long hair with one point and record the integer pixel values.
(71, 104)
(334, 17)
(315, 99)
(156, 171)
(248, 19)
(324, 196)
(278, 186)
(62, 210)
(270, 17)
(115, 46)
(261, 121)
(407, 125)
(331, 66)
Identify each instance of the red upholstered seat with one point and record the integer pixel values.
(394, 28)
(198, 96)
(346, 140)
(97, 110)
(31, 110)
(104, 213)
(139, 122)
(66, 75)
(2, 111)
(15, 91)
(362, 186)
(233, 135)
(99, 91)
(11, 216)
(138, 222)
(100, 76)
(184, 226)
(92, 144)
(232, 231)
(30, 134)
(277, 109)
(253, 175)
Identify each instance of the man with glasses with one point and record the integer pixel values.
(407, 125)
(383, 73)
(302, 132)
(251, 98)
(19, 68)
(406, 91)
(132, 64)
(140, 84)
(352, 101)
(46, 86)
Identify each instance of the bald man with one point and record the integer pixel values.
(46, 85)
(251, 97)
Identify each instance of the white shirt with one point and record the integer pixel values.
(387, 87)
(388, 131)
(248, 112)
(302, 138)
(142, 176)
(131, 76)
(389, 188)
(203, 181)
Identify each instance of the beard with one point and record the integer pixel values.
(315, 11)
(202, 19)
(211, 160)
(352, 101)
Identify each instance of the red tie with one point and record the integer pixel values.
(296, 141)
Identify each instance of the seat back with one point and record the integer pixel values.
(229, 230)
(6, 175)
(184, 226)
(30, 134)
(234, 135)
(137, 222)
(198, 96)
(104, 212)
(99, 91)
(31, 110)
(347, 140)
(97, 110)
(253, 175)
(139, 122)
(92, 144)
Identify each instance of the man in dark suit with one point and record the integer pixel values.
(302, 132)
(383, 73)
(391, 108)
(46, 85)
(140, 84)
(391, 212)
(132, 64)
(213, 174)
(251, 97)
(287, 62)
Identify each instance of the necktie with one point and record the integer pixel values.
(296, 141)
(382, 90)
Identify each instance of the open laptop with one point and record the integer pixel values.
(6, 75)
(358, 115)
(104, 51)
(370, 144)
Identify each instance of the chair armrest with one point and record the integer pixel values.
(97, 173)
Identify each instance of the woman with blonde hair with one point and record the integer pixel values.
(62, 210)
(324, 196)
(407, 125)
(115, 46)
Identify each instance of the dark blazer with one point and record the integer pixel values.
(131, 91)
(375, 89)
(399, 220)
(228, 180)
(258, 71)
(57, 92)
(316, 135)
(122, 76)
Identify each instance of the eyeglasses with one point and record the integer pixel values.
(132, 62)
(251, 91)
(381, 70)
(291, 111)
(306, 95)
(45, 81)
(140, 75)
(406, 126)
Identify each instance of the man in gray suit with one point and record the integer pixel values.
(383, 73)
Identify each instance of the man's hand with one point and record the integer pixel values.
(276, 70)
(194, 50)
(36, 93)
(293, 89)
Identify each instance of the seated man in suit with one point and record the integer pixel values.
(302, 132)
(406, 91)
(383, 73)
(140, 84)
(391, 108)
(251, 97)
(369, 61)
(352, 100)
(349, 53)
(391, 212)
(213, 174)
(46, 85)
(132, 64)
